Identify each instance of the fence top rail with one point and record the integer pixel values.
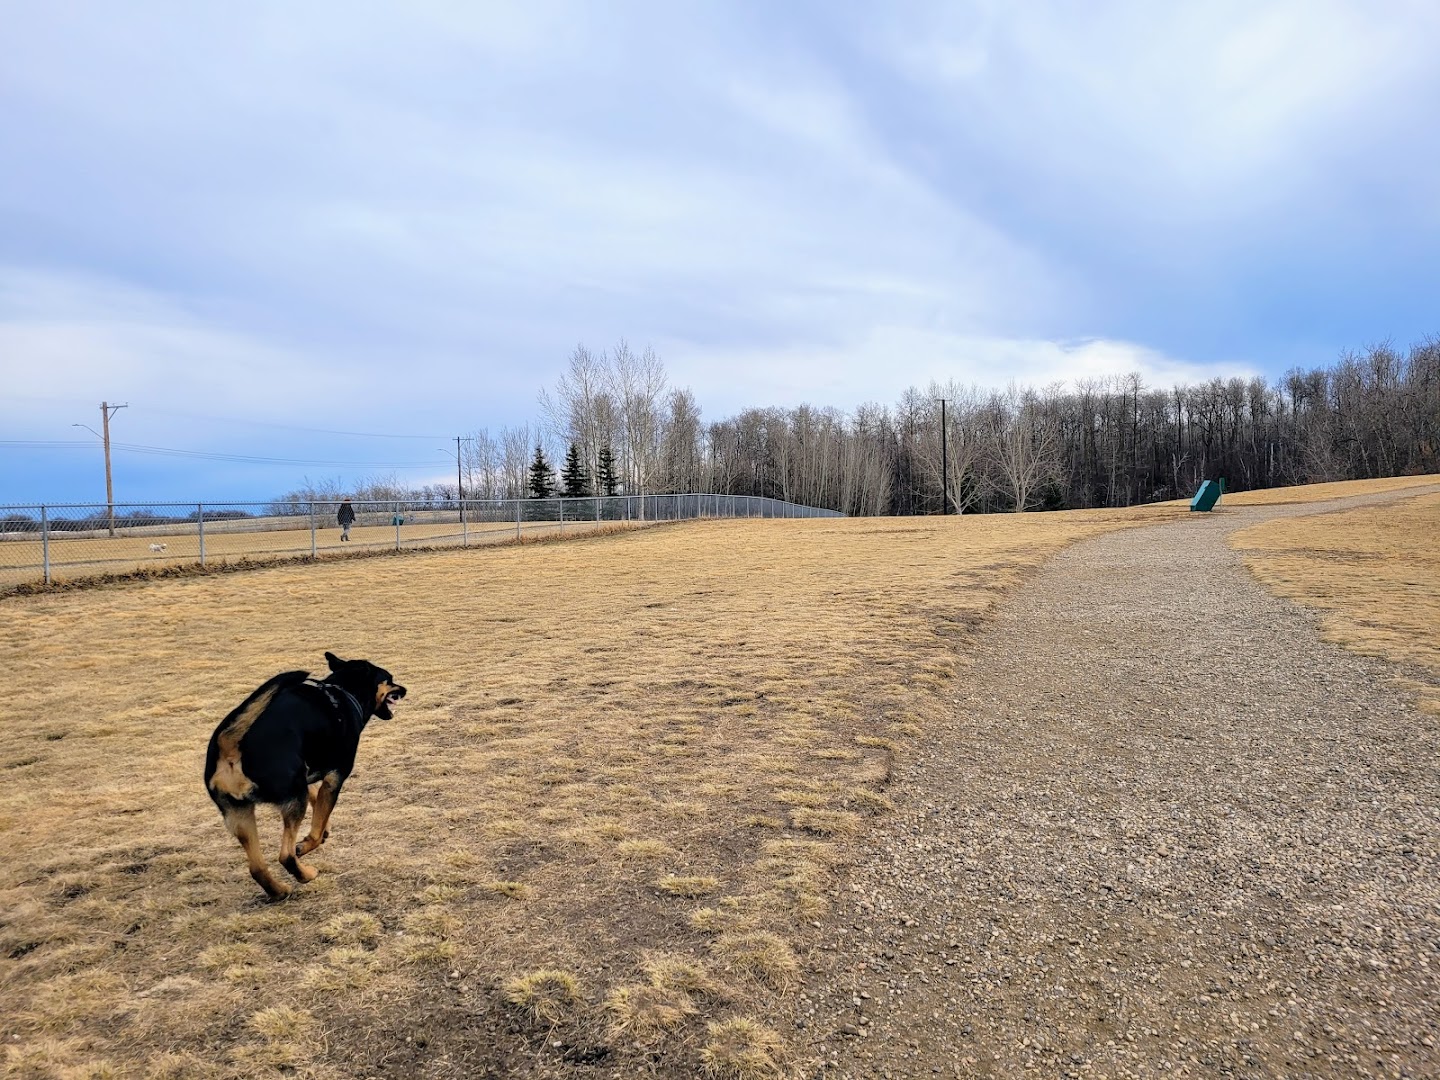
(278, 505)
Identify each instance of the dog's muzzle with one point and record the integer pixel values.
(395, 694)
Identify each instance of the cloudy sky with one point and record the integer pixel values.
(249, 220)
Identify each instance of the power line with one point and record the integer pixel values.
(46, 444)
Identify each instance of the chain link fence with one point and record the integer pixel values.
(67, 542)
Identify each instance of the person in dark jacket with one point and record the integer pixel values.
(346, 518)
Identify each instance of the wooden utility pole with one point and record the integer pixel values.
(106, 411)
(459, 480)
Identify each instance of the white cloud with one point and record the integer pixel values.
(195, 380)
(882, 364)
(62, 334)
(1221, 105)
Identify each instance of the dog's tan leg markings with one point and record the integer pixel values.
(229, 777)
(292, 814)
(241, 823)
(324, 803)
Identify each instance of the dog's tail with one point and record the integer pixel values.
(223, 772)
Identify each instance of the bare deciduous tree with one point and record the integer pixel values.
(576, 411)
(515, 447)
(1024, 444)
(637, 384)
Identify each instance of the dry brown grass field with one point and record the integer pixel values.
(1373, 573)
(593, 841)
(78, 558)
(1339, 489)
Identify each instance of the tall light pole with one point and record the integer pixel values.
(106, 411)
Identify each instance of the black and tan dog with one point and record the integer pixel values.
(291, 742)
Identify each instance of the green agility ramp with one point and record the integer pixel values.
(1206, 497)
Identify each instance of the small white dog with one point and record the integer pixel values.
(157, 547)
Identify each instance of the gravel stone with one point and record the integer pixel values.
(1168, 832)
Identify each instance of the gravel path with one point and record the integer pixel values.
(1169, 832)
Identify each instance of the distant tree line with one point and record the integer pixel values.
(619, 428)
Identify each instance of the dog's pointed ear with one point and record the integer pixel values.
(334, 661)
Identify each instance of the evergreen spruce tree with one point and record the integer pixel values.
(542, 477)
(574, 479)
(609, 483)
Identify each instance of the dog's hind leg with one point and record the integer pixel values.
(292, 815)
(322, 802)
(240, 820)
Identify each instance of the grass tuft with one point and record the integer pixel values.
(230, 954)
(352, 928)
(676, 972)
(687, 887)
(826, 822)
(515, 890)
(644, 849)
(642, 1013)
(281, 1022)
(872, 802)
(740, 1049)
(432, 922)
(759, 955)
(345, 968)
(710, 920)
(549, 994)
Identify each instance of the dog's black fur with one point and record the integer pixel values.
(292, 743)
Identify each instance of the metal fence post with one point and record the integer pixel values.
(560, 510)
(200, 519)
(45, 543)
(464, 526)
(517, 519)
(397, 526)
(312, 530)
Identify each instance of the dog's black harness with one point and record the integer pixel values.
(351, 706)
